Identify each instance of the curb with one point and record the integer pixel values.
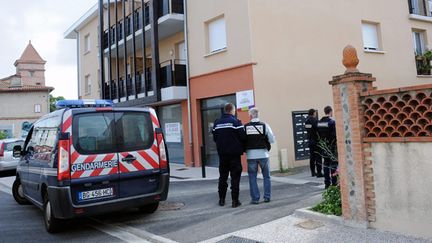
(307, 213)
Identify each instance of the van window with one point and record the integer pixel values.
(96, 133)
(93, 133)
(135, 131)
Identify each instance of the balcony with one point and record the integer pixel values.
(172, 82)
(170, 21)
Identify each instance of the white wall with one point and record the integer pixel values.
(403, 187)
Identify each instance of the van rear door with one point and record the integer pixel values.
(138, 153)
(94, 161)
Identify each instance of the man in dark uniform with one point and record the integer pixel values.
(327, 131)
(315, 158)
(229, 135)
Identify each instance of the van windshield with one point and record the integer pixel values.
(108, 132)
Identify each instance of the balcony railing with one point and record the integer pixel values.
(173, 73)
(170, 6)
(165, 7)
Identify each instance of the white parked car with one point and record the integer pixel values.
(7, 161)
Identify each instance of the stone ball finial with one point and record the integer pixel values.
(350, 59)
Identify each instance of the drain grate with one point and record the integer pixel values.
(236, 239)
(170, 206)
(310, 224)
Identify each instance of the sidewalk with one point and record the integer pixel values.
(300, 175)
(180, 172)
(297, 229)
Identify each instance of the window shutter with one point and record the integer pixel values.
(217, 35)
(370, 36)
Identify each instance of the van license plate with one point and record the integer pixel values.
(106, 192)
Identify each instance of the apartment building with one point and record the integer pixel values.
(144, 60)
(276, 55)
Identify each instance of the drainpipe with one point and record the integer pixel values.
(78, 64)
(187, 78)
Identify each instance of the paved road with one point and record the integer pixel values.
(198, 218)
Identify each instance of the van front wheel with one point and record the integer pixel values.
(18, 193)
(150, 208)
(52, 224)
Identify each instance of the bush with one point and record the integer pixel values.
(332, 203)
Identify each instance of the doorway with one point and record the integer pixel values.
(212, 109)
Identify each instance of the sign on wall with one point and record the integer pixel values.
(245, 100)
(301, 146)
(173, 132)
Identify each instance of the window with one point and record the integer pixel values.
(108, 132)
(11, 145)
(37, 108)
(419, 42)
(370, 36)
(136, 130)
(216, 35)
(420, 7)
(87, 43)
(94, 133)
(87, 85)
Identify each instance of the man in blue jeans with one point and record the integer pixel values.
(258, 138)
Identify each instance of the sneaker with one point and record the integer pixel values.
(266, 200)
(254, 202)
(319, 175)
(236, 203)
(221, 202)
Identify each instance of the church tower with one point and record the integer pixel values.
(31, 67)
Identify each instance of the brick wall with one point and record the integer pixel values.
(367, 119)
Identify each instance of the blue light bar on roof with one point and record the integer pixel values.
(83, 103)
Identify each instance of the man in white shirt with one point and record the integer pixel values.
(259, 136)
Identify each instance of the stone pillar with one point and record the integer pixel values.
(349, 128)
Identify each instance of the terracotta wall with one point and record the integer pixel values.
(219, 83)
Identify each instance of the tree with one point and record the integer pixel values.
(3, 134)
(53, 100)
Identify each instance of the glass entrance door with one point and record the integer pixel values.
(212, 109)
(170, 117)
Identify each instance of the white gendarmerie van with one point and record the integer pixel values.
(90, 158)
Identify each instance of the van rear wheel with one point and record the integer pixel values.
(52, 224)
(149, 208)
(18, 193)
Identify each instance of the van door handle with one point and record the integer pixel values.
(129, 159)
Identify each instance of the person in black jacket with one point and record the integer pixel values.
(315, 160)
(327, 131)
(229, 135)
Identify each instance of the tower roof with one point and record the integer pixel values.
(30, 55)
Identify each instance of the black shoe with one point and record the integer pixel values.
(254, 202)
(327, 186)
(313, 175)
(236, 203)
(266, 200)
(319, 175)
(221, 202)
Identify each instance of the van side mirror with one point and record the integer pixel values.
(17, 151)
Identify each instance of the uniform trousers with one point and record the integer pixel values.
(229, 166)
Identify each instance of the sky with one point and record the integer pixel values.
(44, 23)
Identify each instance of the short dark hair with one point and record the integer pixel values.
(228, 108)
(311, 112)
(327, 110)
